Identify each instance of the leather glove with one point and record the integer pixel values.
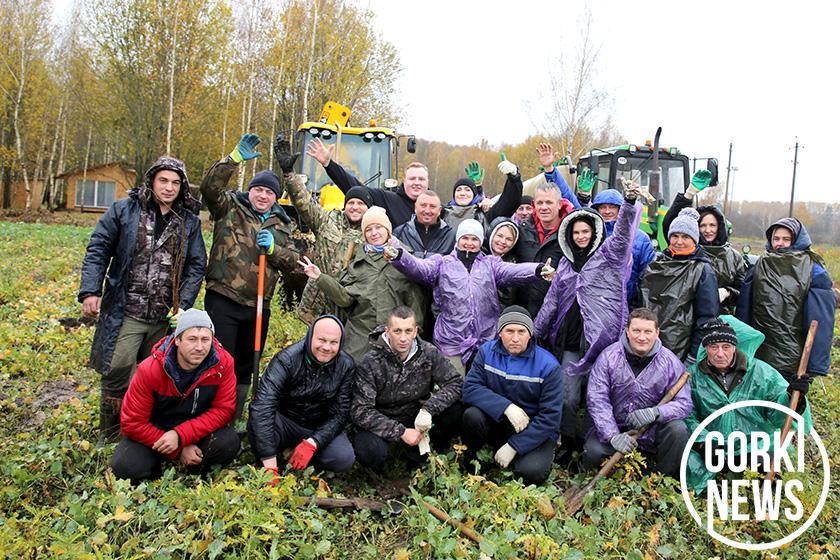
(642, 417)
(302, 455)
(800, 384)
(506, 167)
(586, 181)
(266, 241)
(518, 417)
(283, 154)
(475, 172)
(173, 317)
(423, 421)
(505, 455)
(699, 181)
(623, 443)
(275, 479)
(246, 148)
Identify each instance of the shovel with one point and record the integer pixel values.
(573, 497)
(255, 376)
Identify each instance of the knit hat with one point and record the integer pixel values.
(526, 199)
(686, 222)
(465, 181)
(470, 227)
(361, 193)
(267, 179)
(715, 330)
(516, 315)
(376, 215)
(194, 318)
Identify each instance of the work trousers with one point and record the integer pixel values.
(235, 328)
(670, 441)
(134, 343)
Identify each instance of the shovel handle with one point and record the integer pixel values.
(255, 378)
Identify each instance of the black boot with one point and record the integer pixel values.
(109, 419)
(241, 397)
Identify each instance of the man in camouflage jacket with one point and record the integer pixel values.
(245, 224)
(337, 233)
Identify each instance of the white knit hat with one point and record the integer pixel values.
(470, 227)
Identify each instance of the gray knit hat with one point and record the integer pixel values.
(686, 222)
(470, 227)
(516, 315)
(192, 318)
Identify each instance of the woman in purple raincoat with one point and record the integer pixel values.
(586, 305)
(464, 285)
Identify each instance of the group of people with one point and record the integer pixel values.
(555, 325)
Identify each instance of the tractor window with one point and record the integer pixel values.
(369, 159)
(636, 169)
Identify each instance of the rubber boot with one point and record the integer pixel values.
(109, 419)
(241, 396)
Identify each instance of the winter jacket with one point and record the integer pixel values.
(153, 405)
(529, 249)
(441, 238)
(466, 299)
(727, 263)
(506, 205)
(369, 288)
(784, 318)
(614, 391)
(388, 390)
(531, 380)
(113, 246)
(683, 293)
(314, 395)
(336, 240)
(396, 203)
(233, 270)
(760, 382)
(598, 289)
(644, 251)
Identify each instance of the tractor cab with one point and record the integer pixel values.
(635, 163)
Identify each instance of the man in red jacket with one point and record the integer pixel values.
(179, 404)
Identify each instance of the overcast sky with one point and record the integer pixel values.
(757, 74)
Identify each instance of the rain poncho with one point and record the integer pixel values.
(599, 287)
(782, 294)
(467, 300)
(614, 391)
(760, 382)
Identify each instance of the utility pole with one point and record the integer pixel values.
(793, 182)
(726, 190)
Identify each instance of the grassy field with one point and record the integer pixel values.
(57, 498)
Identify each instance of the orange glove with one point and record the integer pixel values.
(302, 455)
(275, 480)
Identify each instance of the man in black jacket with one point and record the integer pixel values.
(426, 234)
(303, 401)
(394, 398)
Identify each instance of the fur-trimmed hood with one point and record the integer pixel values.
(564, 233)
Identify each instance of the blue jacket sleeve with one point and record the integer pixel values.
(546, 424)
(820, 306)
(555, 177)
(743, 311)
(706, 304)
(643, 255)
(195, 264)
(100, 250)
(475, 391)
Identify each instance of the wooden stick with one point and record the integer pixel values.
(443, 516)
(794, 396)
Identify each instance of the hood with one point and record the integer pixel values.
(495, 225)
(722, 234)
(801, 239)
(608, 196)
(185, 198)
(307, 341)
(564, 234)
(657, 346)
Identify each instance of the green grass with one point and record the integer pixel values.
(57, 498)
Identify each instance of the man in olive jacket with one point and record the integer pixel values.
(394, 399)
(245, 224)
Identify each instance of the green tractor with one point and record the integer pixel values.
(636, 163)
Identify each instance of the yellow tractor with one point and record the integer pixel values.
(370, 153)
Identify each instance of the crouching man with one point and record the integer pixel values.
(303, 401)
(395, 398)
(626, 383)
(513, 379)
(179, 404)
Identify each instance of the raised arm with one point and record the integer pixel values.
(422, 271)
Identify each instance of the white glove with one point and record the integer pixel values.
(507, 168)
(518, 417)
(423, 421)
(723, 293)
(505, 455)
(424, 446)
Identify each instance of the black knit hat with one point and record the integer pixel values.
(465, 181)
(267, 179)
(361, 193)
(526, 199)
(715, 330)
